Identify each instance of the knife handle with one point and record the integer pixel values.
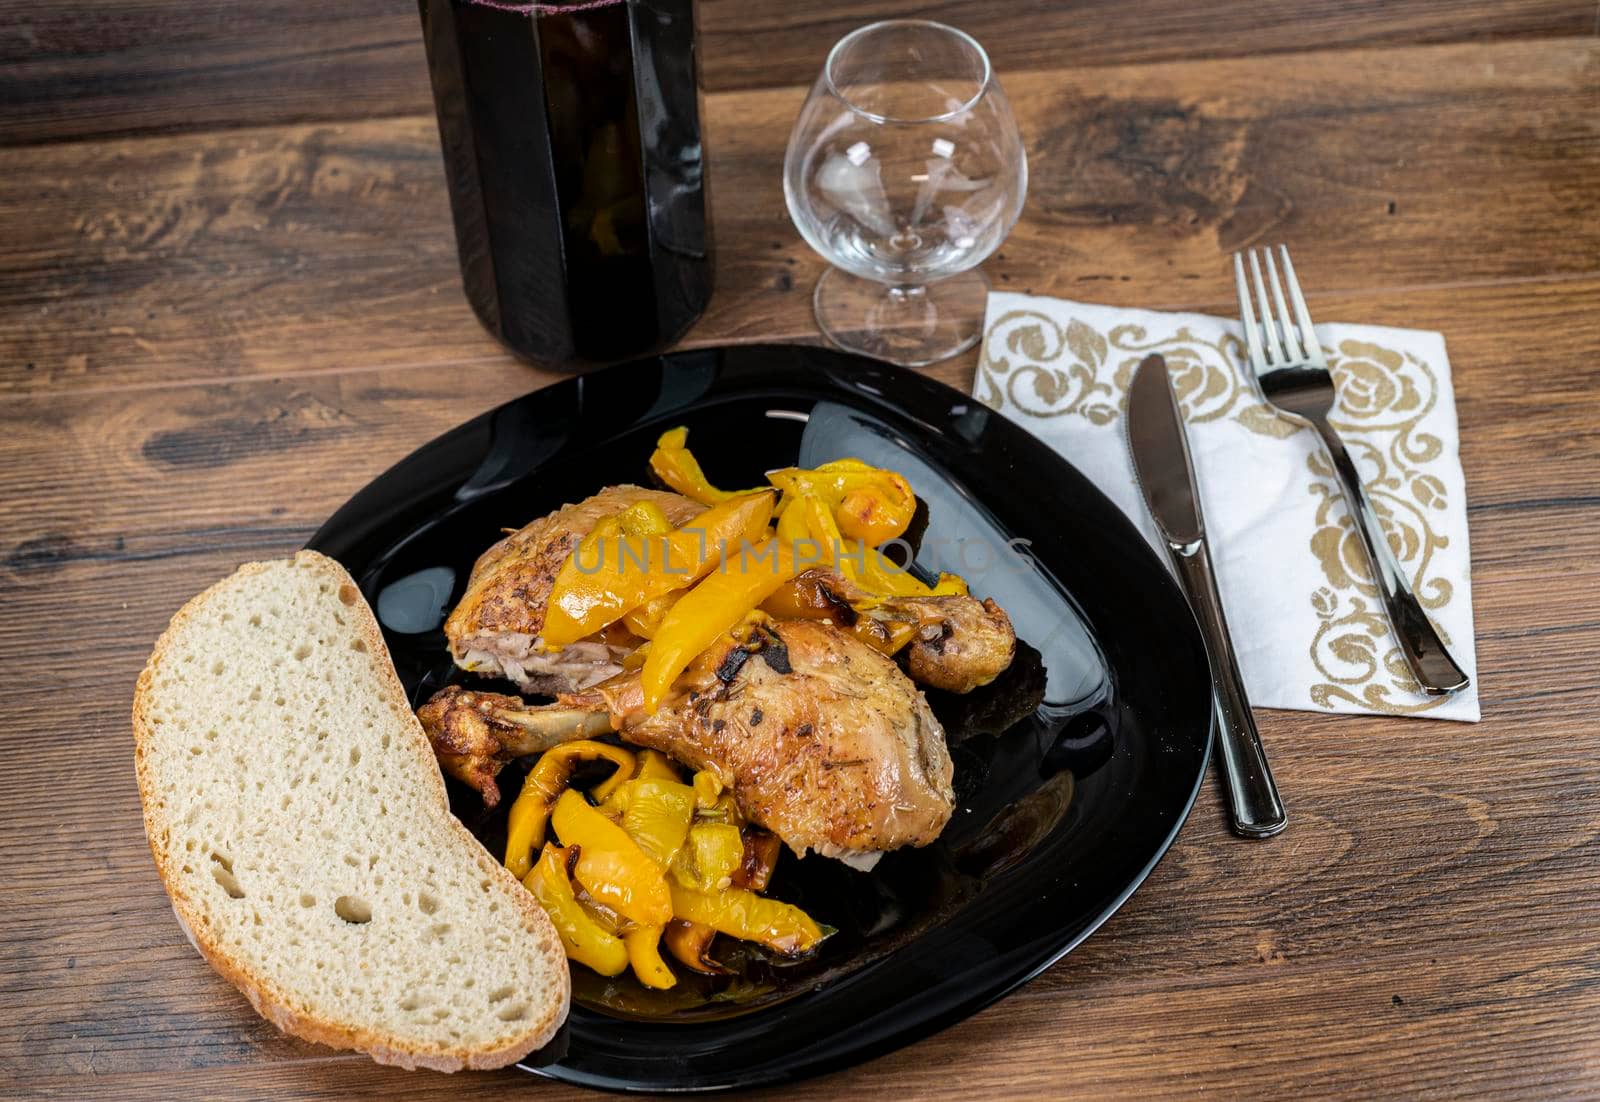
(1253, 801)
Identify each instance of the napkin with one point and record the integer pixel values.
(1307, 623)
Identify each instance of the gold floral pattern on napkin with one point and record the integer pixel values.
(1384, 394)
(1036, 368)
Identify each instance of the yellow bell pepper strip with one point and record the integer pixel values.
(656, 766)
(619, 776)
(741, 913)
(675, 465)
(824, 532)
(707, 790)
(690, 943)
(612, 573)
(949, 585)
(710, 857)
(870, 504)
(602, 916)
(658, 816)
(634, 660)
(584, 941)
(878, 575)
(525, 825)
(792, 527)
(860, 563)
(882, 576)
(710, 609)
(854, 560)
(809, 597)
(644, 953)
(581, 580)
(643, 518)
(611, 866)
(646, 620)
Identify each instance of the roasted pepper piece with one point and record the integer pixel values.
(824, 532)
(707, 790)
(643, 518)
(657, 817)
(713, 607)
(675, 465)
(761, 850)
(870, 504)
(611, 866)
(710, 857)
(743, 914)
(585, 941)
(792, 527)
(644, 953)
(881, 576)
(525, 826)
(656, 766)
(859, 562)
(808, 597)
(613, 572)
(634, 660)
(690, 943)
(645, 620)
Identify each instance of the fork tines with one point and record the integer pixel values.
(1275, 341)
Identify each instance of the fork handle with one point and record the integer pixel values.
(1431, 664)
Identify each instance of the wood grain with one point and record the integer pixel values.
(146, 508)
(228, 298)
(174, 259)
(135, 66)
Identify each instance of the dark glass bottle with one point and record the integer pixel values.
(571, 135)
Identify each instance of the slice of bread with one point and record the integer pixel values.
(300, 825)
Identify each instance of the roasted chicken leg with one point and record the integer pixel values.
(821, 739)
(495, 629)
(958, 644)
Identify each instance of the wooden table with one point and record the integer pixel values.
(228, 298)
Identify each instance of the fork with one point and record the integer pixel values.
(1293, 374)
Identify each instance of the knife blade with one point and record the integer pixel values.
(1161, 458)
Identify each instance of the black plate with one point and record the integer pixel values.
(1063, 808)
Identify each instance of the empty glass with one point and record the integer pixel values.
(905, 171)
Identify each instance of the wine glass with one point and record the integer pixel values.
(905, 170)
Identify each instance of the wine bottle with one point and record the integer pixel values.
(576, 170)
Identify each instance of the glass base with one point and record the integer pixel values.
(909, 326)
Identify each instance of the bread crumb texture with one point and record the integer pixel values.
(302, 829)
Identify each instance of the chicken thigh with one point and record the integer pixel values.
(495, 629)
(822, 740)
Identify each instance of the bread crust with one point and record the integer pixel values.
(270, 1000)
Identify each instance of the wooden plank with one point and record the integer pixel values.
(128, 475)
(134, 66)
(1271, 1027)
(229, 333)
(315, 248)
(757, 45)
(1393, 884)
(1408, 839)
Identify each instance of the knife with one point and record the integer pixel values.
(1166, 475)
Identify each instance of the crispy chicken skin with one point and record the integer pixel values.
(822, 740)
(495, 629)
(960, 644)
(475, 734)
